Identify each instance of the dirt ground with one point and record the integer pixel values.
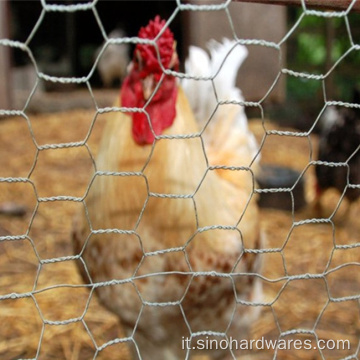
(39, 297)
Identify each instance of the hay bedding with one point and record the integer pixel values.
(66, 172)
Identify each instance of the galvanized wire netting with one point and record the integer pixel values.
(307, 276)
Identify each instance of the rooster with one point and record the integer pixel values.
(339, 143)
(175, 234)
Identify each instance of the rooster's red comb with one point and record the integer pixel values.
(165, 43)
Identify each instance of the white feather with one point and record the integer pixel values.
(329, 118)
(226, 59)
(227, 128)
(197, 66)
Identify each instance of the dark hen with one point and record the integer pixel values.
(340, 146)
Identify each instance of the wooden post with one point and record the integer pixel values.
(329, 36)
(261, 67)
(5, 84)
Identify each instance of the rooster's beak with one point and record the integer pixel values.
(148, 86)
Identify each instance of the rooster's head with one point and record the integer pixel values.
(147, 86)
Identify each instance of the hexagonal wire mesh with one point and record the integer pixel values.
(169, 237)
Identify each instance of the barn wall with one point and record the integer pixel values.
(250, 22)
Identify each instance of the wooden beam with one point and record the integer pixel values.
(339, 5)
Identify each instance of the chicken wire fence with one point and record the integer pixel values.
(315, 295)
